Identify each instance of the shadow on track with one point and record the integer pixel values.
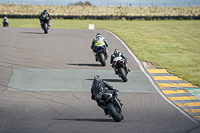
(92, 65)
(86, 119)
(109, 80)
(113, 80)
(33, 32)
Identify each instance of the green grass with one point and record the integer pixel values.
(173, 45)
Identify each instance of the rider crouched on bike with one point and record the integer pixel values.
(99, 40)
(117, 53)
(45, 14)
(99, 87)
(5, 20)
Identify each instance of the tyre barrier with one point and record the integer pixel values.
(108, 17)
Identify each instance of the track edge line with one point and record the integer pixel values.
(151, 80)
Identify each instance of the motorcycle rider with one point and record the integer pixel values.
(98, 88)
(117, 53)
(5, 19)
(43, 15)
(99, 40)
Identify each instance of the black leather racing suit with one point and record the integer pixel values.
(43, 15)
(97, 90)
(98, 87)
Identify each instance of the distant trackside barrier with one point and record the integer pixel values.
(111, 17)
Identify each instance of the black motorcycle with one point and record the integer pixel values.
(112, 104)
(101, 55)
(120, 65)
(5, 23)
(45, 24)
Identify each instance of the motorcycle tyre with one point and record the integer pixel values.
(123, 74)
(45, 28)
(102, 59)
(115, 115)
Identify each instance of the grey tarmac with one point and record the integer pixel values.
(45, 85)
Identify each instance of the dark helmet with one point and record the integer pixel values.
(97, 80)
(98, 34)
(117, 52)
(45, 10)
(97, 77)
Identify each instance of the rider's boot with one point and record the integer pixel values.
(127, 69)
(96, 58)
(115, 69)
(119, 101)
(49, 24)
(106, 111)
(104, 108)
(107, 52)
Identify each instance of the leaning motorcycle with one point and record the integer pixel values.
(120, 65)
(45, 24)
(5, 23)
(112, 104)
(101, 54)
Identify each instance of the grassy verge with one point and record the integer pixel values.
(173, 45)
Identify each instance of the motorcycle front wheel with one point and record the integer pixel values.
(45, 28)
(115, 115)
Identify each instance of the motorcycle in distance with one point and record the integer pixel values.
(5, 23)
(119, 64)
(101, 54)
(111, 103)
(45, 24)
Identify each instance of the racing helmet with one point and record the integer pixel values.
(117, 52)
(99, 38)
(98, 34)
(97, 80)
(97, 77)
(45, 11)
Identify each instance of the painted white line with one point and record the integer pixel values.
(152, 82)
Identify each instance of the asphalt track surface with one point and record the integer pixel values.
(45, 85)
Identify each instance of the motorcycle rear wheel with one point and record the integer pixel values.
(115, 115)
(123, 74)
(102, 59)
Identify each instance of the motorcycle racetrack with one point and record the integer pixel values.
(45, 82)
